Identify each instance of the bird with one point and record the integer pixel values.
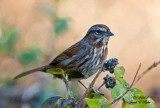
(81, 60)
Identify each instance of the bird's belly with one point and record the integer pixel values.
(91, 69)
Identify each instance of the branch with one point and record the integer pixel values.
(155, 64)
(116, 100)
(101, 86)
(108, 65)
(82, 84)
(90, 86)
(133, 82)
(135, 76)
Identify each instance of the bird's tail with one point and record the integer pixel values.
(42, 68)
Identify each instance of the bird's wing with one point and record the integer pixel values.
(66, 56)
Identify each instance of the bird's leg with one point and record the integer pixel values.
(67, 87)
(73, 103)
(82, 84)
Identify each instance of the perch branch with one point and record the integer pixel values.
(90, 87)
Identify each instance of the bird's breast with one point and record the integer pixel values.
(93, 60)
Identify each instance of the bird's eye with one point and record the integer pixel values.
(98, 31)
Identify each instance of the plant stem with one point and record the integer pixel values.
(155, 64)
(136, 80)
(135, 76)
(83, 84)
(101, 86)
(90, 87)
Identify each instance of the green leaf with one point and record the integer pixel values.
(137, 98)
(125, 104)
(56, 102)
(97, 103)
(128, 97)
(8, 38)
(13, 36)
(96, 99)
(137, 93)
(61, 25)
(8, 82)
(119, 73)
(145, 103)
(95, 94)
(106, 104)
(151, 103)
(94, 103)
(133, 96)
(140, 105)
(29, 56)
(124, 83)
(117, 91)
(140, 98)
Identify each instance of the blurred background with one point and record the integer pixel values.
(33, 32)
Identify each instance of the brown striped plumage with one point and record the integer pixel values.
(82, 59)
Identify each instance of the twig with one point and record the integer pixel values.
(135, 76)
(133, 82)
(82, 84)
(117, 99)
(90, 87)
(136, 80)
(155, 64)
(101, 86)
(115, 105)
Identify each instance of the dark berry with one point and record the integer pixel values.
(109, 81)
(109, 65)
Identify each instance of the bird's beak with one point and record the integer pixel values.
(109, 33)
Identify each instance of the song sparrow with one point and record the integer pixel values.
(82, 59)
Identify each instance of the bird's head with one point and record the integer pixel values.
(99, 33)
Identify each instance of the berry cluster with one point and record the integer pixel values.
(109, 65)
(109, 81)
